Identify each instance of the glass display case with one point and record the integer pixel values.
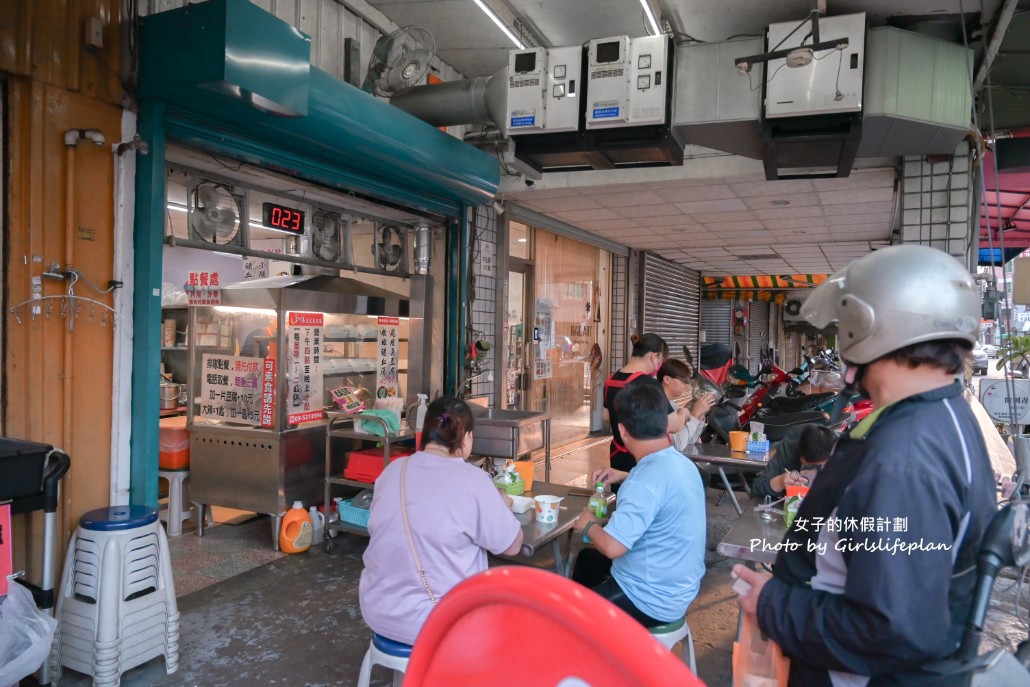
(263, 367)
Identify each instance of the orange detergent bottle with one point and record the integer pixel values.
(296, 531)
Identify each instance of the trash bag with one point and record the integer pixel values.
(26, 634)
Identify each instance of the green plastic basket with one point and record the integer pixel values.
(516, 488)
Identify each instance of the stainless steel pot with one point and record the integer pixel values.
(170, 393)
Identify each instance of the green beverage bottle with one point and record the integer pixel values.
(598, 505)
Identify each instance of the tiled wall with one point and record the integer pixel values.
(936, 202)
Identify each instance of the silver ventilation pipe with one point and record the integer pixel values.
(423, 247)
(477, 101)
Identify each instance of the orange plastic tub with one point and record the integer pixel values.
(173, 443)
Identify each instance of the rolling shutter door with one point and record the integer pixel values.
(758, 333)
(671, 300)
(717, 320)
(790, 354)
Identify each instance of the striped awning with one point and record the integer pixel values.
(759, 287)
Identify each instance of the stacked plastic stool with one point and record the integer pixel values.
(670, 633)
(388, 653)
(116, 605)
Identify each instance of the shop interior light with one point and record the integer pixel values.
(236, 310)
(651, 18)
(489, 11)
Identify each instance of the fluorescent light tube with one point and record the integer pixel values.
(489, 11)
(650, 17)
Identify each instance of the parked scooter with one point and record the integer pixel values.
(730, 414)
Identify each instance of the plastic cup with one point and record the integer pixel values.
(738, 441)
(526, 469)
(547, 508)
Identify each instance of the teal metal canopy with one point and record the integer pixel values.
(233, 70)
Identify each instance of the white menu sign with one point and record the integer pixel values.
(386, 370)
(304, 361)
(230, 389)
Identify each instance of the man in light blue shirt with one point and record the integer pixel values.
(656, 537)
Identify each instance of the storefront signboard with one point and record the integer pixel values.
(386, 370)
(305, 395)
(230, 389)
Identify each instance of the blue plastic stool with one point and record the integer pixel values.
(383, 651)
(117, 518)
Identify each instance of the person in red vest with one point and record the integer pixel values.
(649, 352)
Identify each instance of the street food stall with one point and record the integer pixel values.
(263, 367)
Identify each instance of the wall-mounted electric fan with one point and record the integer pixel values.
(399, 60)
(327, 236)
(388, 247)
(214, 213)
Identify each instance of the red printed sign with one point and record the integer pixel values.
(6, 561)
(306, 319)
(390, 320)
(268, 393)
(305, 417)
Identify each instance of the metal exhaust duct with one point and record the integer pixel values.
(477, 101)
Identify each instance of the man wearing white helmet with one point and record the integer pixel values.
(875, 578)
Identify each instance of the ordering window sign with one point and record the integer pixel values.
(304, 360)
(386, 371)
(230, 389)
(203, 288)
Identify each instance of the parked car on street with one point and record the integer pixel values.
(979, 359)
(991, 350)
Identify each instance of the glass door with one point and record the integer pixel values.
(517, 378)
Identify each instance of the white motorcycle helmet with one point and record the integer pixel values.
(895, 297)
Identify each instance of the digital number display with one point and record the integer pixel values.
(282, 218)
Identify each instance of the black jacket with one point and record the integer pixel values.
(786, 458)
(878, 612)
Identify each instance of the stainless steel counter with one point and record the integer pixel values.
(511, 433)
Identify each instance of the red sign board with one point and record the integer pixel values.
(390, 320)
(306, 417)
(268, 393)
(306, 319)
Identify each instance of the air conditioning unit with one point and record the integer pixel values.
(543, 90)
(825, 82)
(792, 308)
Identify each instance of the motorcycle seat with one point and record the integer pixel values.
(786, 404)
(776, 426)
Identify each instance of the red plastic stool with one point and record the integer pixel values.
(564, 631)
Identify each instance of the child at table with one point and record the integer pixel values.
(795, 461)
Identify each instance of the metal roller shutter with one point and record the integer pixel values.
(717, 321)
(672, 303)
(790, 355)
(758, 333)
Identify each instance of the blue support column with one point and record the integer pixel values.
(148, 240)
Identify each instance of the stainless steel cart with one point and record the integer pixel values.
(343, 427)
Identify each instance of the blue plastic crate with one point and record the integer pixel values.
(352, 515)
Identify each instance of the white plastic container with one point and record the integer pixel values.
(318, 525)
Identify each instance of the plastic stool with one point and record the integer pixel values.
(670, 633)
(178, 509)
(116, 604)
(385, 652)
